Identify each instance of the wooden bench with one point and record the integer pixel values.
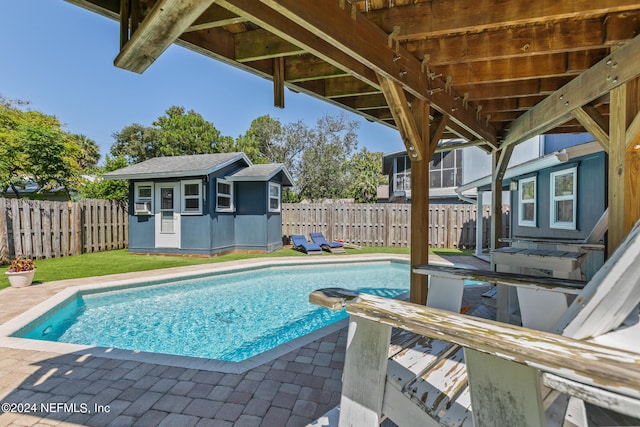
(446, 285)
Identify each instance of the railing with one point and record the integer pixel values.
(450, 225)
(605, 376)
(46, 229)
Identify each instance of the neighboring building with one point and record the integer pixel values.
(204, 204)
(30, 191)
(445, 174)
(556, 200)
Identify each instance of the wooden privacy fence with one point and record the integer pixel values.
(450, 226)
(45, 229)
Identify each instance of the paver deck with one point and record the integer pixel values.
(42, 388)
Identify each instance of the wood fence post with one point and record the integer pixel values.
(76, 227)
(5, 256)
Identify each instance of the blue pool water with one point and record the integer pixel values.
(225, 317)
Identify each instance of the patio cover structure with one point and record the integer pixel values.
(490, 72)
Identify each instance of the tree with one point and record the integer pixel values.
(90, 154)
(365, 169)
(136, 143)
(257, 143)
(35, 149)
(323, 166)
(174, 134)
(188, 133)
(108, 189)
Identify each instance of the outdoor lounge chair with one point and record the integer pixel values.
(443, 368)
(300, 244)
(333, 247)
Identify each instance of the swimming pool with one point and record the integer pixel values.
(230, 316)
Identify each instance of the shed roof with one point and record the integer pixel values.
(262, 173)
(178, 166)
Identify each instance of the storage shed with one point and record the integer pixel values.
(204, 204)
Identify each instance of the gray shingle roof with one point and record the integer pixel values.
(261, 173)
(177, 166)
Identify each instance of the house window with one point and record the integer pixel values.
(274, 197)
(224, 196)
(402, 174)
(527, 202)
(563, 199)
(192, 197)
(445, 169)
(143, 198)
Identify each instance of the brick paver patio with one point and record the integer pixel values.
(41, 388)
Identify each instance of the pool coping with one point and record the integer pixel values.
(30, 316)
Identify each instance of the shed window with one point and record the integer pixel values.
(192, 197)
(142, 198)
(274, 197)
(563, 199)
(527, 202)
(224, 196)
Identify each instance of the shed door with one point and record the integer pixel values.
(168, 215)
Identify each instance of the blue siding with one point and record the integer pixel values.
(195, 233)
(591, 200)
(250, 227)
(559, 141)
(141, 233)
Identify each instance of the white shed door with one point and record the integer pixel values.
(167, 215)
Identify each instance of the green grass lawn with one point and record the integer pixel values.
(121, 261)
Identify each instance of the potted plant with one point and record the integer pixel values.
(21, 272)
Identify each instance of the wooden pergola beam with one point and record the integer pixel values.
(261, 44)
(348, 31)
(611, 72)
(403, 117)
(522, 41)
(215, 17)
(433, 18)
(594, 123)
(161, 27)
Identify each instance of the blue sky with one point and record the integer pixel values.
(60, 58)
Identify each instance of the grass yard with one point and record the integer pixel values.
(121, 261)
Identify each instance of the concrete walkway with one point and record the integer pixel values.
(44, 388)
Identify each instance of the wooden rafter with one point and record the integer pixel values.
(261, 44)
(294, 33)
(160, 28)
(433, 18)
(351, 33)
(215, 17)
(522, 41)
(611, 72)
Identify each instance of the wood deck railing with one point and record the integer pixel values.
(606, 376)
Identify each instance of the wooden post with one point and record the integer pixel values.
(500, 159)
(365, 371)
(420, 205)
(503, 393)
(278, 82)
(124, 22)
(632, 159)
(624, 163)
(479, 224)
